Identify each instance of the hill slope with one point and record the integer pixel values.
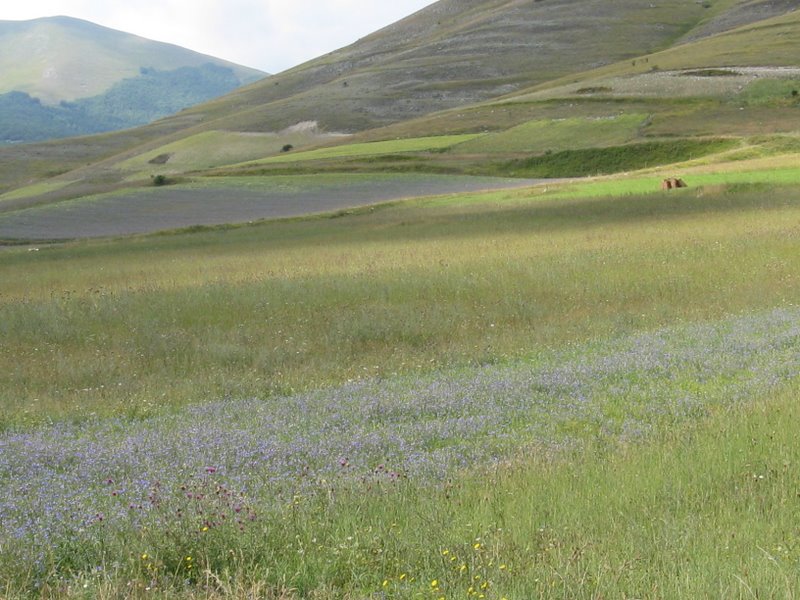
(64, 77)
(62, 58)
(456, 52)
(450, 56)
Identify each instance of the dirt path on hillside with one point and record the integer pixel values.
(156, 209)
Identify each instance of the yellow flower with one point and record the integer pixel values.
(144, 556)
(445, 552)
(503, 567)
(385, 583)
(402, 576)
(435, 583)
(477, 546)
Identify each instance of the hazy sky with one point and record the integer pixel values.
(271, 35)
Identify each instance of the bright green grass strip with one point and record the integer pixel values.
(375, 148)
(651, 183)
(559, 134)
(620, 187)
(211, 149)
(207, 149)
(35, 190)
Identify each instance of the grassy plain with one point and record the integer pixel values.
(584, 389)
(670, 490)
(635, 496)
(139, 324)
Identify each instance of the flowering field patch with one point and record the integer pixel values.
(105, 493)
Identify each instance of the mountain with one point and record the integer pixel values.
(458, 52)
(468, 66)
(61, 76)
(62, 58)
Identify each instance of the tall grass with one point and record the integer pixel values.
(139, 324)
(624, 471)
(700, 503)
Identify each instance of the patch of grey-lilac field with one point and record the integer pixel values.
(60, 481)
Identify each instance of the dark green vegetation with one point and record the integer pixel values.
(602, 161)
(130, 102)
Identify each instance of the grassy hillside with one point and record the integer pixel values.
(453, 54)
(659, 87)
(643, 98)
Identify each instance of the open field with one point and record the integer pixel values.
(107, 326)
(448, 397)
(218, 201)
(271, 478)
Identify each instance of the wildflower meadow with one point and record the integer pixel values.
(142, 496)
(508, 398)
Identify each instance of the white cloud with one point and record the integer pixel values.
(272, 35)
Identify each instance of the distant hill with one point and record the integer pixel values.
(61, 76)
(530, 77)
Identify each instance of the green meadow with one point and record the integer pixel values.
(145, 323)
(559, 134)
(369, 149)
(127, 332)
